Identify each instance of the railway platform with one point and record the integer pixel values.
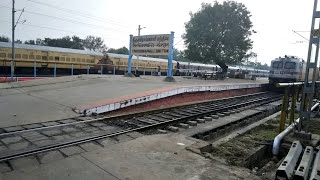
(51, 99)
(115, 149)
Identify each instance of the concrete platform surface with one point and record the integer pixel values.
(52, 99)
(73, 168)
(156, 157)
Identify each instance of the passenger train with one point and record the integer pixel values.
(241, 72)
(45, 58)
(289, 69)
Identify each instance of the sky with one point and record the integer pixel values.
(115, 20)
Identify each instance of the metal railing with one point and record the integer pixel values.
(293, 84)
(291, 90)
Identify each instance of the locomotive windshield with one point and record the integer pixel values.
(290, 65)
(277, 64)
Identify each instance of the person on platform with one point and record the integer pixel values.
(159, 71)
(177, 69)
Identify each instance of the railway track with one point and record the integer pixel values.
(32, 139)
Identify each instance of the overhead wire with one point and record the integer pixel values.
(178, 41)
(69, 20)
(78, 22)
(55, 29)
(79, 13)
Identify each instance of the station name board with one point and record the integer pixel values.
(158, 44)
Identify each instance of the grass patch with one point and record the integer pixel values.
(238, 149)
(313, 126)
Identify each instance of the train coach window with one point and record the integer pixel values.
(290, 65)
(18, 56)
(24, 56)
(3, 55)
(68, 59)
(56, 58)
(277, 64)
(44, 57)
(83, 60)
(73, 59)
(78, 59)
(51, 58)
(31, 56)
(38, 57)
(62, 58)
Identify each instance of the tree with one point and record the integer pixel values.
(219, 33)
(65, 42)
(32, 42)
(262, 66)
(122, 50)
(179, 55)
(18, 41)
(77, 43)
(94, 44)
(40, 42)
(74, 42)
(4, 39)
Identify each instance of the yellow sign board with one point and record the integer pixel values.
(158, 44)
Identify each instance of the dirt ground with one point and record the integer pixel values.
(235, 151)
(238, 149)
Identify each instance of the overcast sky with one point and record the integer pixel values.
(114, 20)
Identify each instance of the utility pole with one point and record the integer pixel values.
(14, 25)
(12, 49)
(137, 65)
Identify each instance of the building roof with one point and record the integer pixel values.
(48, 48)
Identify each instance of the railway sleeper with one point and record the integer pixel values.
(136, 125)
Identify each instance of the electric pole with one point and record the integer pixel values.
(12, 48)
(137, 65)
(14, 25)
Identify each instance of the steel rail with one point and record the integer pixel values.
(32, 151)
(220, 101)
